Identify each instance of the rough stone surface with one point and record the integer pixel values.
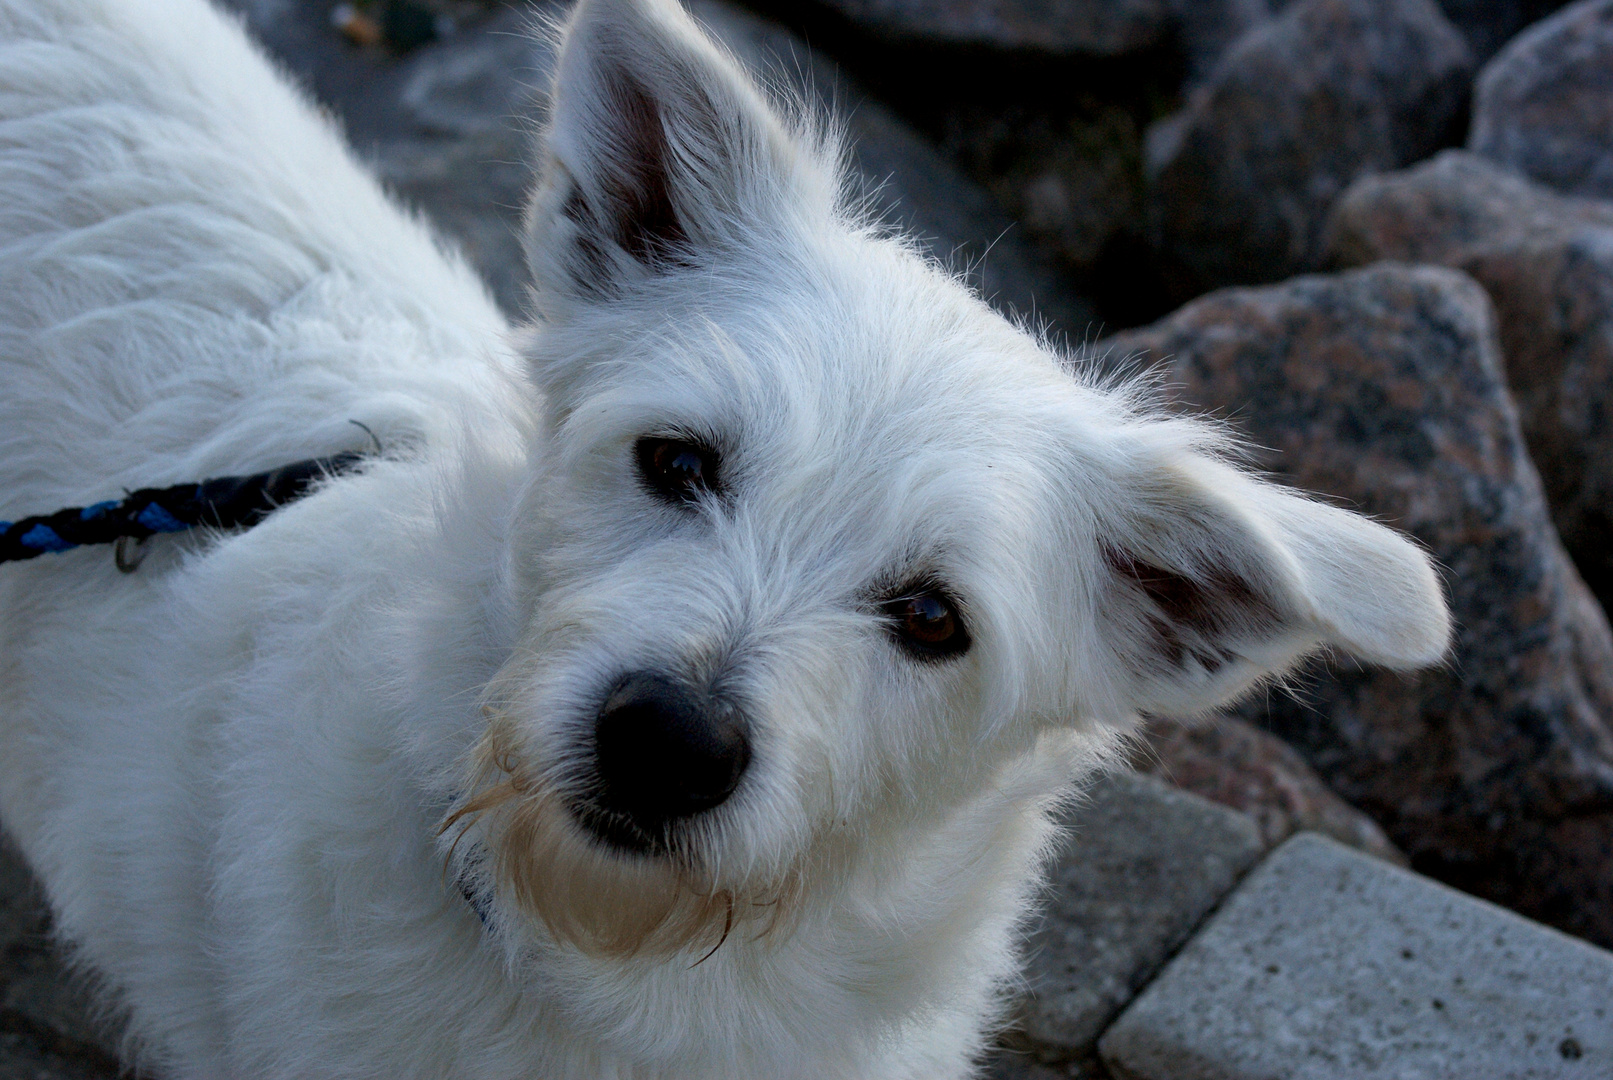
(1201, 29)
(1229, 761)
(1072, 180)
(1206, 29)
(917, 186)
(46, 1032)
(1141, 866)
(1544, 105)
(1089, 26)
(1383, 387)
(1298, 108)
(448, 128)
(1547, 262)
(1490, 24)
(1327, 964)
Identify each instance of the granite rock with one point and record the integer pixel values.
(1200, 29)
(1140, 867)
(1489, 24)
(1544, 104)
(1071, 179)
(1085, 26)
(1205, 29)
(1547, 262)
(1229, 761)
(1325, 964)
(911, 181)
(1383, 387)
(1302, 105)
(448, 128)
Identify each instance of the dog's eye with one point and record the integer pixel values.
(677, 469)
(927, 624)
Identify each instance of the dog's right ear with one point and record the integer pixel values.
(659, 153)
(1213, 580)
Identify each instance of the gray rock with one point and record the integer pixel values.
(1202, 29)
(361, 85)
(1104, 27)
(454, 138)
(1328, 964)
(1206, 29)
(1142, 865)
(1490, 24)
(1297, 109)
(1544, 105)
(1547, 262)
(1384, 388)
(1230, 761)
(1072, 180)
(912, 183)
(448, 128)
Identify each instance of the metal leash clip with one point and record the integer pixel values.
(128, 553)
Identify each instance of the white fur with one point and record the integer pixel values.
(231, 769)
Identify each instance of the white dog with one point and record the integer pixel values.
(684, 693)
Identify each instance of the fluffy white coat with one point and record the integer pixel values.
(232, 769)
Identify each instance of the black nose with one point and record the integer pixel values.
(661, 753)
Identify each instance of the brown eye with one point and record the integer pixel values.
(677, 469)
(927, 624)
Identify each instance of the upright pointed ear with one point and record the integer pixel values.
(659, 153)
(1214, 580)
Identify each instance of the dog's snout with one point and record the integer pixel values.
(664, 753)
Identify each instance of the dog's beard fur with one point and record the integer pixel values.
(581, 891)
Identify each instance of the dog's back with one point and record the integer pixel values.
(197, 277)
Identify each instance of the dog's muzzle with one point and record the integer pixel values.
(663, 753)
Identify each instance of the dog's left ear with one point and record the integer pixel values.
(659, 153)
(1212, 580)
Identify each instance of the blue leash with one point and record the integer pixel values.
(229, 502)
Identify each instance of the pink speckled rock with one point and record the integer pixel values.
(1547, 262)
(1383, 387)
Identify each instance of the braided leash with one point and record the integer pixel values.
(229, 502)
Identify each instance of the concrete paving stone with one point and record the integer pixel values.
(1326, 963)
(1141, 865)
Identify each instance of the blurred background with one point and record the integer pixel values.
(1373, 235)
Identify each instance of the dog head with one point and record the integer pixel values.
(818, 543)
